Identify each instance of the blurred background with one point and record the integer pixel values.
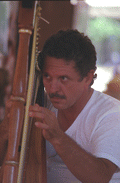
(100, 20)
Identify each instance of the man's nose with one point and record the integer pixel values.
(54, 86)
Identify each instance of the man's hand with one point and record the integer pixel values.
(47, 121)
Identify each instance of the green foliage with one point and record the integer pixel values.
(101, 28)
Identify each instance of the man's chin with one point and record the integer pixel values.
(58, 105)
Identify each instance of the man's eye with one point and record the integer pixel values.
(46, 76)
(64, 78)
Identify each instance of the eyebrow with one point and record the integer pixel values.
(63, 75)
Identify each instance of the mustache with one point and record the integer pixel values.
(52, 95)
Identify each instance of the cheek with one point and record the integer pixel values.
(76, 86)
(71, 91)
(46, 85)
(75, 91)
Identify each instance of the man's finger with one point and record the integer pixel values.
(41, 125)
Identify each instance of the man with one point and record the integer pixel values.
(81, 125)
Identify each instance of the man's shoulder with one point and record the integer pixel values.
(105, 98)
(102, 103)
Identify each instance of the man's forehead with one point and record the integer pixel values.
(60, 61)
(59, 67)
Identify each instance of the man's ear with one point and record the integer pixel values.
(89, 77)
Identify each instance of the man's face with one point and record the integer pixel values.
(63, 83)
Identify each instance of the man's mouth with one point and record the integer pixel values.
(56, 96)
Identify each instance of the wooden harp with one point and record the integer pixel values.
(16, 168)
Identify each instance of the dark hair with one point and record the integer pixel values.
(71, 45)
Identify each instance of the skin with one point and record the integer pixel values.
(73, 93)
